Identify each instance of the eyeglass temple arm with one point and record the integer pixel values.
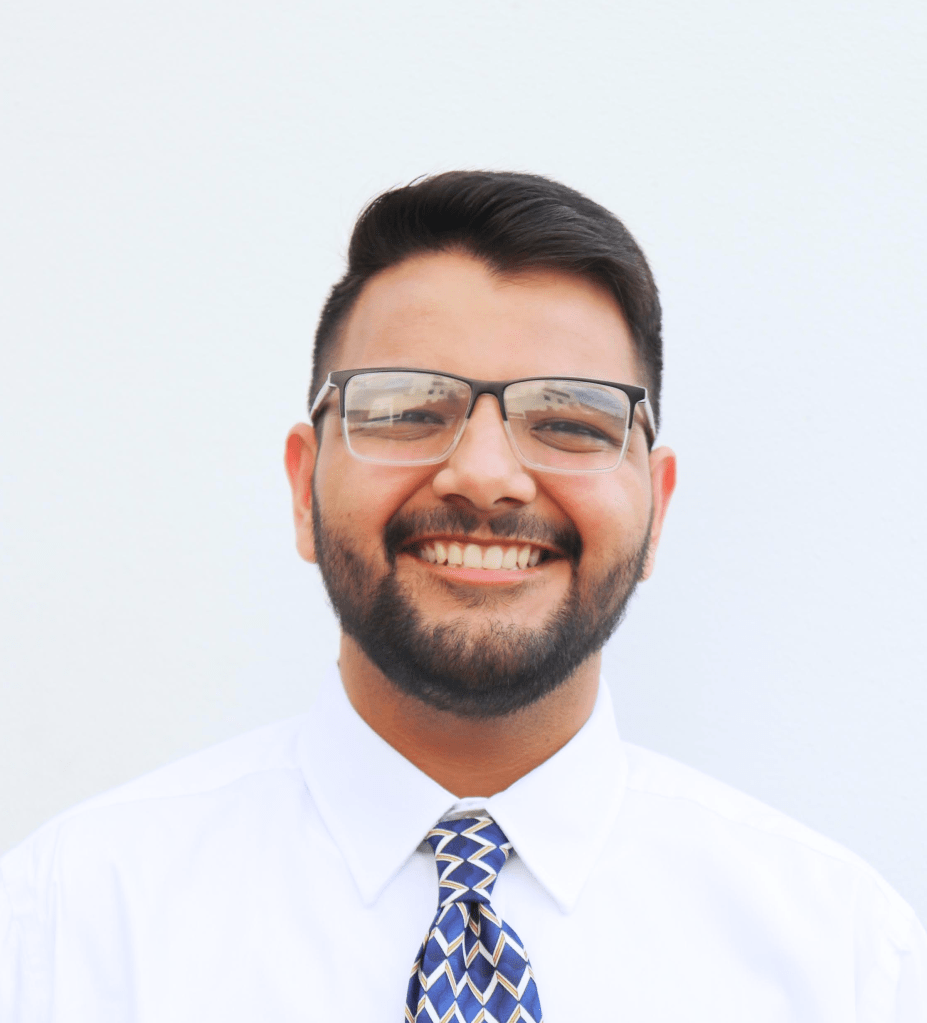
(324, 392)
(647, 420)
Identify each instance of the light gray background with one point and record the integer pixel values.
(180, 182)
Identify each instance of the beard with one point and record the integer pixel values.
(473, 671)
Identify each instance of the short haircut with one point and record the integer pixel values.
(514, 223)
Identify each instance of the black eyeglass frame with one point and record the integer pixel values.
(637, 396)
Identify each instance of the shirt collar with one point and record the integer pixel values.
(557, 817)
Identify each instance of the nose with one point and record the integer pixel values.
(483, 470)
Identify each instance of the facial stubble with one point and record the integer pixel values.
(473, 671)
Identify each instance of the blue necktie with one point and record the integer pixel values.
(472, 967)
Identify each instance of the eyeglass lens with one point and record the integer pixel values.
(407, 417)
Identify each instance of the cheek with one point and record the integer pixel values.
(608, 512)
(361, 498)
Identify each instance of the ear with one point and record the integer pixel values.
(299, 459)
(663, 483)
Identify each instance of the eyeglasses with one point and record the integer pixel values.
(417, 416)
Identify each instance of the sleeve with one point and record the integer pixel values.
(891, 952)
(11, 959)
(22, 993)
(911, 994)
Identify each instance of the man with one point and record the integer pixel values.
(456, 832)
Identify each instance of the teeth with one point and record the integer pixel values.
(471, 555)
(492, 557)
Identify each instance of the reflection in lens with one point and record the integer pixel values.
(563, 424)
(404, 417)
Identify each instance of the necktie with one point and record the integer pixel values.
(472, 967)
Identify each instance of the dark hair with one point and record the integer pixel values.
(513, 222)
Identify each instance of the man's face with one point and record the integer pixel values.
(473, 640)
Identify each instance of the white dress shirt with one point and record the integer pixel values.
(282, 876)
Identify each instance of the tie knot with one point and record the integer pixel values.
(469, 853)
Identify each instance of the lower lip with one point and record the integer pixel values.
(484, 576)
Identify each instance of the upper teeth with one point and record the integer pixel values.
(471, 555)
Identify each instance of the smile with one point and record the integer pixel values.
(514, 557)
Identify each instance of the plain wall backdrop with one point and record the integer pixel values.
(179, 183)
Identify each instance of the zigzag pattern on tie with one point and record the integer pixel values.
(472, 967)
(482, 854)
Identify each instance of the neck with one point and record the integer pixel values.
(468, 756)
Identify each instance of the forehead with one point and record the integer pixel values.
(449, 311)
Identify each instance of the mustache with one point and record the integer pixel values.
(523, 526)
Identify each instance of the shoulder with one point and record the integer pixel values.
(270, 748)
(777, 865)
(101, 878)
(671, 787)
(702, 808)
(178, 799)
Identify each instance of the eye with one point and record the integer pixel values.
(421, 417)
(411, 424)
(568, 426)
(572, 435)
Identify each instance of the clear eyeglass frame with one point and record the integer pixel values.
(338, 379)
